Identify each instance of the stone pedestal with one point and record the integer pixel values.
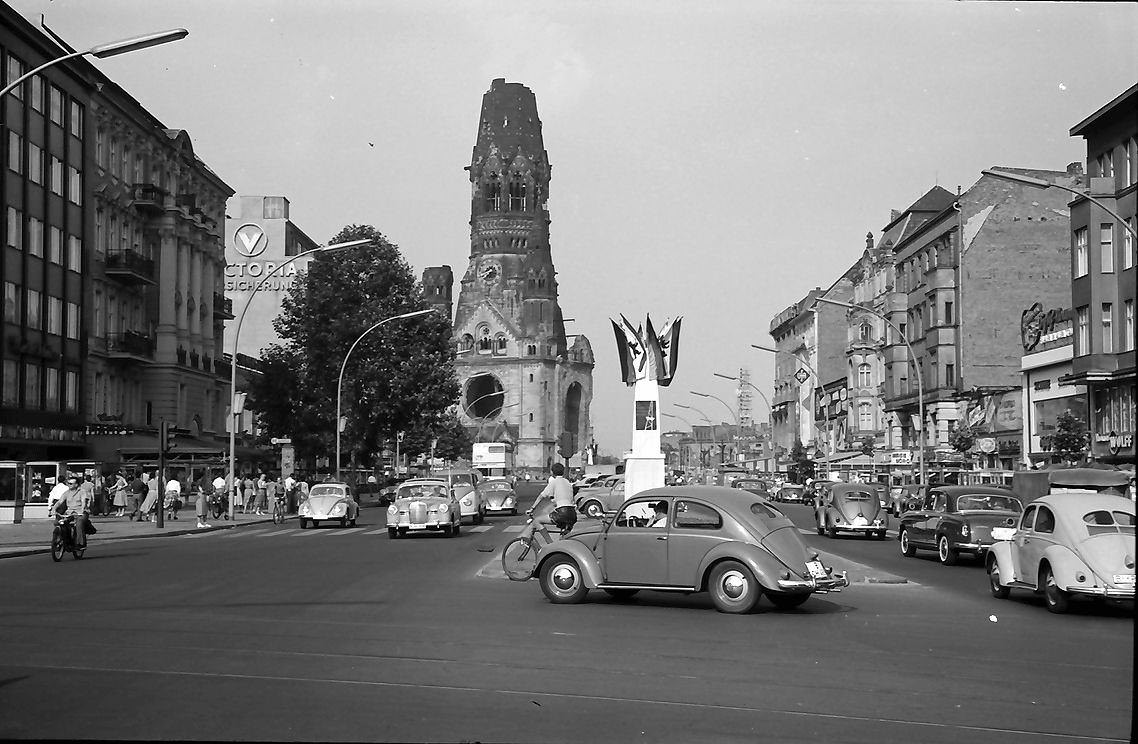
(644, 468)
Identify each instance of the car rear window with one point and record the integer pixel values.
(1103, 522)
(857, 496)
(326, 491)
(988, 502)
(766, 510)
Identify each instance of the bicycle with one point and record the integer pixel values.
(63, 539)
(279, 510)
(519, 557)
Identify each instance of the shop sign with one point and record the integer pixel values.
(42, 433)
(108, 430)
(1117, 443)
(1009, 446)
(987, 445)
(1037, 327)
(903, 457)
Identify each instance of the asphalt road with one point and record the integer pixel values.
(271, 633)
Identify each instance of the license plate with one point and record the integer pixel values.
(816, 569)
(1124, 579)
(860, 521)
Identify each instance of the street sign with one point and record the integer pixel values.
(281, 440)
(802, 376)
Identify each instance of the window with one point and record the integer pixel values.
(15, 152)
(55, 316)
(1082, 331)
(73, 320)
(51, 389)
(74, 253)
(950, 374)
(948, 313)
(1045, 521)
(56, 176)
(1107, 328)
(15, 72)
(11, 386)
(33, 308)
(275, 208)
(71, 391)
(75, 125)
(55, 112)
(15, 228)
(35, 164)
(74, 186)
(493, 193)
(1128, 325)
(1128, 244)
(691, 515)
(1132, 161)
(864, 375)
(100, 232)
(1106, 243)
(55, 245)
(1106, 165)
(864, 417)
(35, 237)
(100, 323)
(36, 83)
(31, 386)
(11, 302)
(517, 193)
(1081, 262)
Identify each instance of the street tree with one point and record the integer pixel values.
(963, 438)
(1070, 439)
(400, 377)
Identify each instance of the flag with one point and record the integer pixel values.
(637, 351)
(669, 346)
(655, 365)
(629, 349)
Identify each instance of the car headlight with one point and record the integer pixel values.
(393, 509)
(444, 508)
(467, 501)
(338, 509)
(304, 508)
(964, 530)
(508, 501)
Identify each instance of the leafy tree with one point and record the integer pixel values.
(801, 466)
(962, 438)
(1070, 439)
(400, 376)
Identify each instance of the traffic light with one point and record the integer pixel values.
(166, 436)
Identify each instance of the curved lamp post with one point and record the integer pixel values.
(681, 418)
(102, 51)
(1039, 183)
(482, 419)
(344, 366)
(916, 368)
(770, 411)
(817, 379)
(233, 360)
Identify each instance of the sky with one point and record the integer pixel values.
(715, 160)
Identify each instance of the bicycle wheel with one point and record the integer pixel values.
(278, 514)
(519, 559)
(57, 545)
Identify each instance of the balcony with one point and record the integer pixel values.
(148, 198)
(130, 345)
(222, 368)
(129, 267)
(222, 307)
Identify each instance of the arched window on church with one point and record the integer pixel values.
(531, 279)
(500, 345)
(493, 191)
(485, 345)
(517, 192)
(541, 280)
(466, 343)
(531, 350)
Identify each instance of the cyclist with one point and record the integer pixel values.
(560, 492)
(74, 501)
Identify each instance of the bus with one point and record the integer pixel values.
(493, 459)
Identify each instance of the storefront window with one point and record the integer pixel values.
(11, 482)
(1047, 412)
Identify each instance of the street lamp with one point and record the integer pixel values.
(233, 361)
(1039, 183)
(482, 419)
(817, 379)
(102, 51)
(693, 408)
(770, 411)
(916, 368)
(729, 410)
(344, 366)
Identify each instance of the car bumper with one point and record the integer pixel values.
(501, 508)
(419, 525)
(977, 548)
(1102, 591)
(821, 586)
(860, 527)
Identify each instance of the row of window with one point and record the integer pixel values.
(56, 99)
(1125, 155)
(1114, 409)
(1107, 245)
(69, 254)
(1083, 335)
(40, 388)
(910, 273)
(40, 167)
(41, 312)
(517, 189)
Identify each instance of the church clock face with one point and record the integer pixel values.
(489, 272)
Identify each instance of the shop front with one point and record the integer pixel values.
(1112, 432)
(33, 459)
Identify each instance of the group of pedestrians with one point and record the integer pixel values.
(254, 495)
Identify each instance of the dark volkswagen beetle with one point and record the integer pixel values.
(850, 507)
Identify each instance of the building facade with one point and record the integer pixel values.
(523, 380)
(1047, 337)
(1103, 277)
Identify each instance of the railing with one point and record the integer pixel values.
(147, 194)
(131, 261)
(222, 368)
(130, 342)
(222, 305)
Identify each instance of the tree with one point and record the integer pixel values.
(962, 438)
(1070, 439)
(801, 466)
(399, 378)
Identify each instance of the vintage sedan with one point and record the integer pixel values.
(329, 502)
(603, 498)
(754, 485)
(424, 505)
(725, 541)
(1066, 545)
(466, 485)
(850, 507)
(791, 493)
(958, 519)
(499, 496)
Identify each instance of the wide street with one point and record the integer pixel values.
(271, 632)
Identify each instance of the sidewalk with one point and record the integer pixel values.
(34, 535)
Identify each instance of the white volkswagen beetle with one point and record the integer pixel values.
(329, 502)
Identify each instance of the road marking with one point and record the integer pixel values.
(376, 532)
(514, 528)
(313, 531)
(293, 531)
(242, 533)
(481, 528)
(345, 531)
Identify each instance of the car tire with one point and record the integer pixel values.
(907, 549)
(831, 531)
(1056, 599)
(947, 554)
(592, 509)
(303, 523)
(733, 588)
(621, 594)
(343, 521)
(392, 533)
(999, 591)
(448, 530)
(787, 601)
(562, 581)
(513, 512)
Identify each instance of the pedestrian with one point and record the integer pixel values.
(221, 492)
(262, 495)
(250, 494)
(119, 489)
(136, 496)
(102, 502)
(173, 500)
(290, 492)
(87, 488)
(201, 487)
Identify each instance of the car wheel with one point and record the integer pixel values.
(448, 530)
(303, 523)
(513, 512)
(343, 521)
(999, 591)
(1057, 599)
(593, 509)
(881, 534)
(621, 594)
(733, 588)
(392, 533)
(479, 518)
(832, 531)
(907, 549)
(946, 552)
(562, 582)
(785, 601)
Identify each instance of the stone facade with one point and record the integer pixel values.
(523, 380)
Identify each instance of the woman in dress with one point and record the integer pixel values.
(119, 491)
(239, 496)
(250, 494)
(262, 495)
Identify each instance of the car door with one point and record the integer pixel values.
(1034, 543)
(633, 552)
(694, 528)
(933, 517)
(1022, 544)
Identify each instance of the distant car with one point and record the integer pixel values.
(791, 493)
(603, 498)
(959, 520)
(850, 507)
(904, 498)
(329, 502)
(1065, 545)
(467, 489)
(754, 485)
(424, 504)
(499, 496)
(882, 492)
(725, 541)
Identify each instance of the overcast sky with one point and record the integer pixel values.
(714, 160)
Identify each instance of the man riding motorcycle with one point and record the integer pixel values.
(74, 501)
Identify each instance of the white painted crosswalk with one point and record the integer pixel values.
(292, 530)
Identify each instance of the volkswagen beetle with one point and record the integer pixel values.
(329, 502)
(467, 488)
(423, 504)
(958, 520)
(499, 496)
(754, 485)
(1065, 545)
(601, 498)
(850, 507)
(726, 541)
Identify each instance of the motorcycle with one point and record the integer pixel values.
(63, 539)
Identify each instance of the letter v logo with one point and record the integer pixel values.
(249, 240)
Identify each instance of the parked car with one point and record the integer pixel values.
(1064, 545)
(754, 485)
(424, 504)
(903, 498)
(958, 520)
(850, 507)
(329, 502)
(882, 492)
(466, 485)
(603, 498)
(499, 496)
(791, 493)
(725, 541)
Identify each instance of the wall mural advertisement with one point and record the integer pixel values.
(997, 412)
